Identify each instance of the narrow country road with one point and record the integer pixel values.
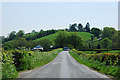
(63, 66)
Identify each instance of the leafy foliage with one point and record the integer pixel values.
(87, 27)
(106, 43)
(108, 32)
(96, 31)
(9, 70)
(80, 27)
(107, 63)
(64, 39)
(73, 27)
(20, 33)
(19, 60)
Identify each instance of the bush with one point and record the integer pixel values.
(8, 68)
(107, 63)
(20, 60)
(25, 60)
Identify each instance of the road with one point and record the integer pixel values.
(63, 66)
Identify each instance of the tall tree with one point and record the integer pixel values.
(72, 39)
(20, 42)
(106, 43)
(108, 32)
(2, 39)
(45, 43)
(12, 35)
(116, 40)
(96, 31)
(75, 40)
(73, 27)
(33, 31)
(61, 37)
(20, 33)
(8, 45)
(87, 27)
(80, 27)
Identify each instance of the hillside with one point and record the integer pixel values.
(84, 35)
(17, 42)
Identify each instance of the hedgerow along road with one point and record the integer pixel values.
(63, 66)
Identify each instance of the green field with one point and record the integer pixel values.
(84, 35)
(50, 37)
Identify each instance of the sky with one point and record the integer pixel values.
(30, 16)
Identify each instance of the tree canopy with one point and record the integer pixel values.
(96, 31)
(72, 40)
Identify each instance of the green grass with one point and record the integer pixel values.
(50, 37)
(25, 60)
(31, 34)
(90, 52)
(93, 62)
(94, 52)
(113, 51)
(84, 35)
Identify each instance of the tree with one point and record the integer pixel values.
(80, 27)
(66, 29)
(20, 33)
(119, 39)
(72, 40)
(12, 36)
(20, 42)
(73, 27)
(106, 43)
(8, 45)
(45, 43)
(87, 27)
(61, 37)
(108, 32)
(41, 30)
(2, 39)
(96, 31)
(75, 40)
(116, 40)
(28, 44)
(33, 31)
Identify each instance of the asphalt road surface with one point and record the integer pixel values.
(63, 66)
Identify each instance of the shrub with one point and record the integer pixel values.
(8, 68)
(107, 63)
(19, 60)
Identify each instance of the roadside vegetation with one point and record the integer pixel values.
(99, 49)
(14, 61)
(107, 63)
(108, 51)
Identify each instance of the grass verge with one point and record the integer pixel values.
(14, 61)
(97, 62)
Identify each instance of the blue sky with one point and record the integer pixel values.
(30, 16)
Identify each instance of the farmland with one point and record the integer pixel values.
(53, 36)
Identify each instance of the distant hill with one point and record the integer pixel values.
(84, 35)
(11, 44)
